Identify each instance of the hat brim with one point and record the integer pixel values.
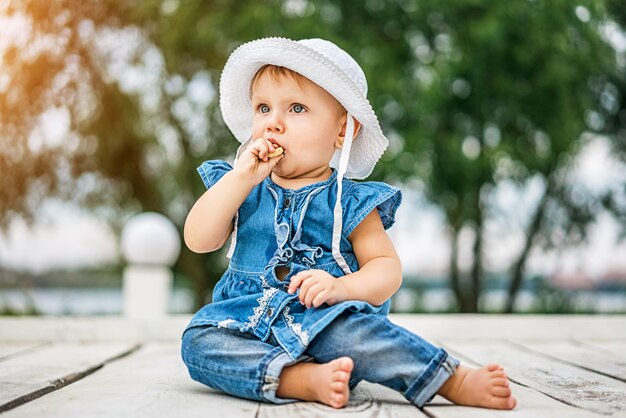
(236, 106)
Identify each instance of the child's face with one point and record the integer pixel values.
(306, 121)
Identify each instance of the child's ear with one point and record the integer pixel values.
(342, 134)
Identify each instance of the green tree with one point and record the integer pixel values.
(472, 94)
(129, 148)
(612, 109)
(490, 94)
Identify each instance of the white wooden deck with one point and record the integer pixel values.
(560, 366)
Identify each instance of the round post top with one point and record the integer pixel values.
(150, 238)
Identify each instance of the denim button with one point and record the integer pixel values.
(270, 311)
(287, 202)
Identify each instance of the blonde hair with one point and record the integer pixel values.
(276, 72)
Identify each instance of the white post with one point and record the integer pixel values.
(150, 244)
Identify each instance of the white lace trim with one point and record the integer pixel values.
(225, 323)
(296, 328)
(264, 282)
(253, 320)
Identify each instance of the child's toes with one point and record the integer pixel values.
(503, 403)
(500, 382)
(341, 376)
(338, 400)
(497, 373)
(501, 391)
(346, 364)
(511, 402)
(338, 386)
(494, 366)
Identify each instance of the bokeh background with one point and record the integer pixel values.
(506, 120)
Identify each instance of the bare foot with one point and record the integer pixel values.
(487, 387)
(326, 383)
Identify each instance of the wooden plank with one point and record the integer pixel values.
(8, 350)
(580, 355)
(613, 348)
(151, 382)
(46, 369)
(568, 384)
(530, 404)
(367, 400)
(142, 387)
(91, 328)
(527, 327)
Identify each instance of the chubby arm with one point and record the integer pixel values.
(380, 272)
(379, 276)
(210, 220)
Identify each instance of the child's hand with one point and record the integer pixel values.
(318, 287)
(254, 163)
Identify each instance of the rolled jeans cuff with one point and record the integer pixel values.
(428, 391)
(272, 377)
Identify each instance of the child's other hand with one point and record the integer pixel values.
(318, 287)
(254, 163)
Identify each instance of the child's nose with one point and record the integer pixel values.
(274, 124)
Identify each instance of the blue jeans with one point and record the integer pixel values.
(244, 366)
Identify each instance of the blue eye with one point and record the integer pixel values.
(300, 107)
(261, 107)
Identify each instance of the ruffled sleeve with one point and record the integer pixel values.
(213, 170)
(363, 197)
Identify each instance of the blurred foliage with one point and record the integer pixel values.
(472, 94)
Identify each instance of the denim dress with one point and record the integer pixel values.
(253, 329)
(292, 228)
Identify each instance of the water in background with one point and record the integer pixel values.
(581, 301)
(108, 301)
(81, 300)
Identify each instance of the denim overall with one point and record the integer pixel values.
(240, 342)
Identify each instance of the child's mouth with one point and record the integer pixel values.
(275, 142)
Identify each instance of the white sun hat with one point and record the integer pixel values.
(326, 65)
(331, 68)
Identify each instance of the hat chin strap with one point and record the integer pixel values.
(338, 211)
(233, 241)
